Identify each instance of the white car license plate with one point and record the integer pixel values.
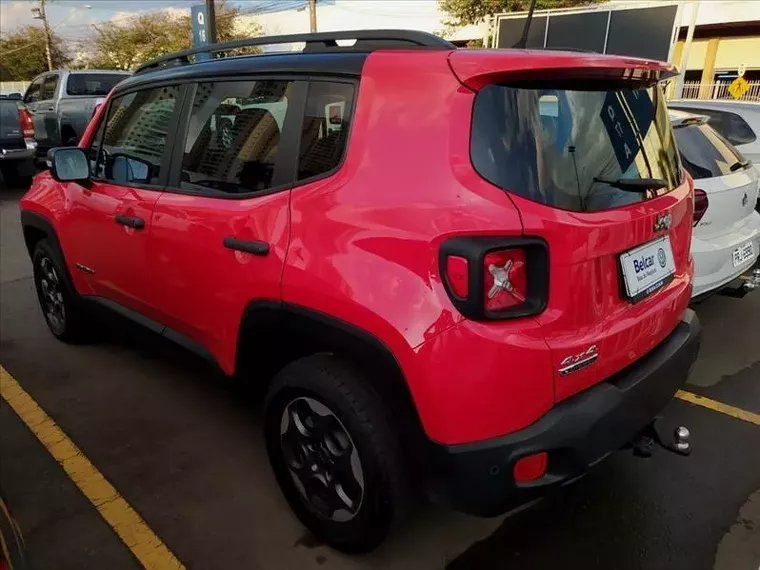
(743, 254)
(647, 268)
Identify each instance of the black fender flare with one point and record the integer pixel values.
(275, 322)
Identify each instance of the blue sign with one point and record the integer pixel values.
(199, 19)
(627, 115)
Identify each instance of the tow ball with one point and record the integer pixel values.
(644, 444)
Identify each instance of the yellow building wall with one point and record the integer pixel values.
(731, 53)
(734, 51)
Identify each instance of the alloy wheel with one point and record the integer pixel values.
(51, 295)
(322, 459)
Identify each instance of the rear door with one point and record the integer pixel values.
(44, 112)
(722, 172)
(573, 157)
(220, 232)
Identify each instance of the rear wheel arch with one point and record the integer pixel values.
(273, 334)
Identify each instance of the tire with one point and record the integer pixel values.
(59, 301)
(367, 469)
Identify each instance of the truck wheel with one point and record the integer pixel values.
(59, 301)
(334, 453)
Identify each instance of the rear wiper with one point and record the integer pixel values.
(634, 184)
(739, 165)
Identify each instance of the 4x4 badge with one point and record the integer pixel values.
(662, 222)
(577, 361)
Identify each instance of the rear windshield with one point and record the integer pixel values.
(93, 84)
(561, 147)
(706, 154)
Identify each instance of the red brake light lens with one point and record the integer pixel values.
(505, 279)
(27, 125)
(456, 273)
(701, 203)
(492, 278)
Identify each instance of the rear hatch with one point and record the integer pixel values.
(583, 147)
(720, 171)
(11, 133)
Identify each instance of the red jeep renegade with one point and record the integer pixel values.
(463, 272)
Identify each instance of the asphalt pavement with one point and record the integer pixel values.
(184, 448)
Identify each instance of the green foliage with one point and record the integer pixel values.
(464, 12)
(22, 53)
(124, 45)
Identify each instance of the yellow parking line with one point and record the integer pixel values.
(737, 413)
(152, 553)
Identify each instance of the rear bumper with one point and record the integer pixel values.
(477, 478)
(713, 257)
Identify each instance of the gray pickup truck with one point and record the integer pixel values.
(62, 103)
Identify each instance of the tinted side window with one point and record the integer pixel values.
(135, 136)
(704, 153)
(730, 125)
(95, 146)
(93, 84)
(325, 127)
(233, 137)
(33, 92)
(48, 87)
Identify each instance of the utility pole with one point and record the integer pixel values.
(211, 14)
(312, 16)
(39, 14)
(687, 48)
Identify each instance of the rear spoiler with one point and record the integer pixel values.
(689, 120)
(477, 68)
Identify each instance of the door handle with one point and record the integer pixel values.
(130, 222)
(254, 247)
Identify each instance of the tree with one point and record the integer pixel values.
(126, 44)
(465, 12)
(23, 52)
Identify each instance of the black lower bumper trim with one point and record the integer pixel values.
(577, 433)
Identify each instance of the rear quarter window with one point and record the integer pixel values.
(556, 145)
(704, 153)
(92, 84)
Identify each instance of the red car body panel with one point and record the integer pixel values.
(205, 287)
(363, 245)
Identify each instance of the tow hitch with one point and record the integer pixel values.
(643, 445)
(742, 285)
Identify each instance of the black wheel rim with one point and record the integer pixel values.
(322, 459)
(51, 295)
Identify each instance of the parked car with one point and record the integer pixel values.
(454, 271)
(737, 121)
(18, 149)
(62, 103)
(726, 242)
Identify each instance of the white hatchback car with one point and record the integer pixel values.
(737, 121)
(726, 241)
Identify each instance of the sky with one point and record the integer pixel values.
(73, 19)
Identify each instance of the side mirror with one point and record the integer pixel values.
(69, 164)
(126, 169)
